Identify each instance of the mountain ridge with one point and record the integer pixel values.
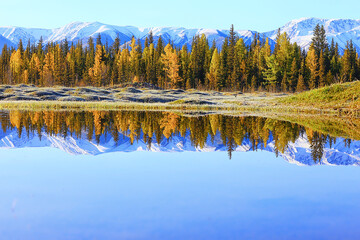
(299, 30)
(341, 30)
(75, 31)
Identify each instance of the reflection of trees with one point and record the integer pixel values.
(317, 143)
(156, 126)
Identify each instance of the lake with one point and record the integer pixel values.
(162, 175)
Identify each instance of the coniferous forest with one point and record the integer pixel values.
(232, 67)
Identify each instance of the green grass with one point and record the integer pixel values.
(345, 96)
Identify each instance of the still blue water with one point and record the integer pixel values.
(46, 193)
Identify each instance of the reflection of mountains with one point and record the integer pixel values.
(299, 152)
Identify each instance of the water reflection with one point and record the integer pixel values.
(95, 132)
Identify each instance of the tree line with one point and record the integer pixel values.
(233, 66)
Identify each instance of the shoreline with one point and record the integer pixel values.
(255, 108)
(25, 97)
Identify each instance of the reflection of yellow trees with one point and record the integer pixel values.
(15, 119)
(35, 118)
(214, 123)
(309, 133)
(155, 126)
(97, 122)
(169, 123)
(283, 133)
(134, 128)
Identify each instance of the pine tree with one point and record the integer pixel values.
(40, 50)
(231, 50)
(223, 70)
(21, 48)
(322, 71)
(348, 63)
(159, 68)
(319, 40)
(98, 40)
(184, 70)
(151, 37)
(272, 73)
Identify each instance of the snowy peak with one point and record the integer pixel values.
(14, 34)
(76, 31)
(341, 30)
(299, 30)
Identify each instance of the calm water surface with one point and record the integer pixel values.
(143, 175)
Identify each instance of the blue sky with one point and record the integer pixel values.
(260, 15)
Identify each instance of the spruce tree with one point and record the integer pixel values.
(151, 37)
(322, 71)
(319, 40)
(98, 39)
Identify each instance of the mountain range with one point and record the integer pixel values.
(298, 152)
(300, 31)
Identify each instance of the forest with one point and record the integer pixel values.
(232, 67)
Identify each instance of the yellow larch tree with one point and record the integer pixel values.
(171, 65)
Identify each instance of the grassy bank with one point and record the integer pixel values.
(338, 97)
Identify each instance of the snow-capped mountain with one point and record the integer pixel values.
(300, 31)
(82, 31)
(298, 153)
(341, 30)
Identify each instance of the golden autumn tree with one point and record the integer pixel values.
(16, 65)
(135, 60)
(214, 73)
(34, 69)
(123, 64)
(171, 66)
(99, 71)
(312, 63)
(47, 74)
